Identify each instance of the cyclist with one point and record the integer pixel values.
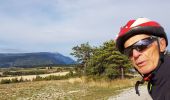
(144, 42)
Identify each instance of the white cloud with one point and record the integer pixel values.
(60, 24)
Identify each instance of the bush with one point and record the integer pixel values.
(5, 81)
(70, 73)
(14, 80)
(21, 80)
(37, 78)
(53, 77)
(19, 73)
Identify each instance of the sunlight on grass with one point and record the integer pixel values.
(74, 89)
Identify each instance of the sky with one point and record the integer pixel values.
(59, 25)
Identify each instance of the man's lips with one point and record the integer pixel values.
(141, 63)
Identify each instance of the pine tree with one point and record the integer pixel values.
(104, 60)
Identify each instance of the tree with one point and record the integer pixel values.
(107, 60)
(104, 60)
(82, 53)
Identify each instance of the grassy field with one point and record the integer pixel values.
(71, 89)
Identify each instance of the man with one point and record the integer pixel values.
(144, 41)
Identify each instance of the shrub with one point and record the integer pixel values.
(14, 80)
(37, 78)
(5, 81)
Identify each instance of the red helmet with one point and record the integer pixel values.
(139, 26)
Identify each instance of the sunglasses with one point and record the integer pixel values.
(139, 46)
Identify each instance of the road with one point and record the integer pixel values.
(130, 94)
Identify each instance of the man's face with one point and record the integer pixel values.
(146, 60)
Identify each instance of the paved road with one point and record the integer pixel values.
(129, 94)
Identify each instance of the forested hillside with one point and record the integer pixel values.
(33, 59)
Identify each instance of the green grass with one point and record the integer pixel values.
(72, 89)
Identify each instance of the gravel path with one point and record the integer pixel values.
(130, 94)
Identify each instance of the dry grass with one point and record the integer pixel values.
(117, 83)
(71, 89)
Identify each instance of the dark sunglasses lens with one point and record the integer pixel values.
(142, 45)
(139, 46)
(128, 51)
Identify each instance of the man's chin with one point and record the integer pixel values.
(145, 71)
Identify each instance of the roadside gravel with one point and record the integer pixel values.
(130, 94)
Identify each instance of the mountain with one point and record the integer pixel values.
(33, 59)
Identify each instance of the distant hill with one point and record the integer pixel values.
(33, 59)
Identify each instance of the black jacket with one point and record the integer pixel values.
(160, 82)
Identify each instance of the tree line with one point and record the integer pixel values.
(104, 60)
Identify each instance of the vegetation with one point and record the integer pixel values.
(13, 80)
(14, 71)
(94, 77)
(54, 77)
(104, 60)
(75, 89)
(19, 73)
(26, 60)
(39, 78)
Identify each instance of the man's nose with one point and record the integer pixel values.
(136, 53)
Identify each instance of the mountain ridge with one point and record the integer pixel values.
(33, 59)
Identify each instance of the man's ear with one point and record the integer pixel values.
(162, 44)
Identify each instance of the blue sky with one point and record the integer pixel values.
(59, 25)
